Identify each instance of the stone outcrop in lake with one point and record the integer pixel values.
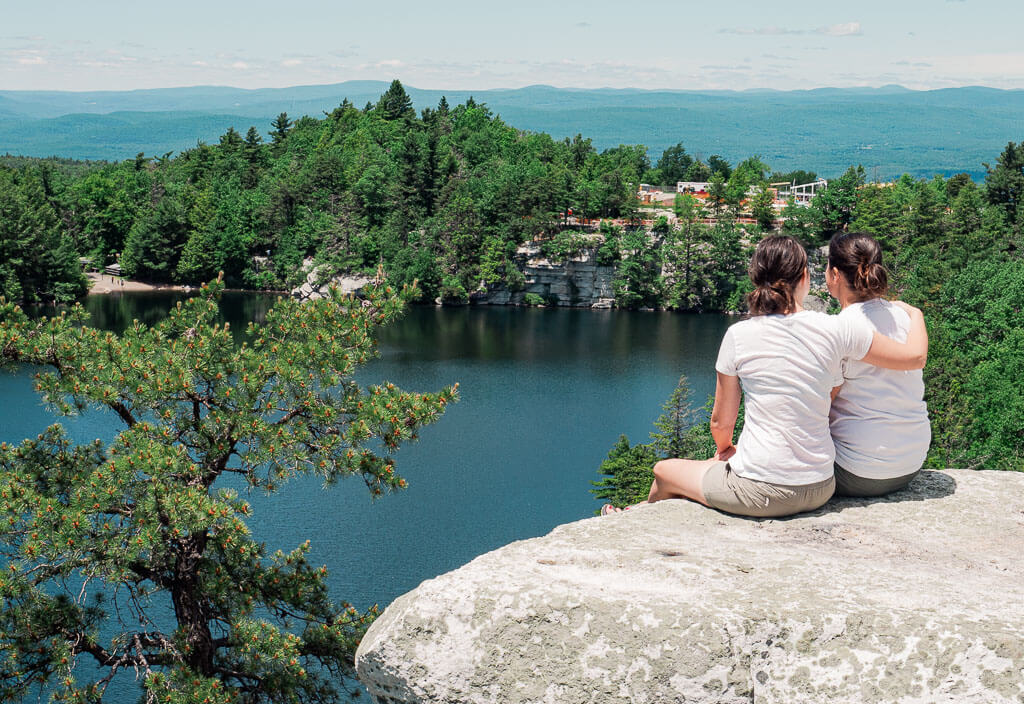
(579, 281)
(911, 598)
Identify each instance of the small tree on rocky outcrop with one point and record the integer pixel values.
(680, 431)
(134, 555)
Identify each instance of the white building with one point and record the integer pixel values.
(692, 186)
(805, 192)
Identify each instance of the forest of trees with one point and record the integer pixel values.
(446, 197)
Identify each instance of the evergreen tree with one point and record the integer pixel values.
(395, 103)
(670, 438)
(231, 142)
(719, 166)
(674, 165)
(154, 244)
(627, 473)
(38, 261)
(838, 200)
(204, 613)
(1004, 183)
(281, 125)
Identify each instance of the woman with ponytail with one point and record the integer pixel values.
(879, 420)
(786, 360)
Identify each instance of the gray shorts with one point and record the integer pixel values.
(729, 492)
(849, 484)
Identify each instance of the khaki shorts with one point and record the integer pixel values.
(727, 491)
(848, 484)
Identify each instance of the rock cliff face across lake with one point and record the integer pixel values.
(911, 598)
(578, 281)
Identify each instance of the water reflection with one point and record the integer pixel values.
(117, 311)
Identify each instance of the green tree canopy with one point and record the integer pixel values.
(150, 515)
(674, 165)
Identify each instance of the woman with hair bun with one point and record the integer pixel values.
(879, 421)
(786, 360)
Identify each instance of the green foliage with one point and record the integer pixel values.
(38, 261)
(674, 165)
(675, 421)
(975, 367)
(533, 299)
(627, 473)
(680, 431)
(445, 199)
(1005, 183)
(564, 245)
(148, 516)
(610, 251)
(637, 283)
(837, 202)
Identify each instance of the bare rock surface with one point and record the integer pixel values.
(316, 287)
(913, 598)
(578, 281)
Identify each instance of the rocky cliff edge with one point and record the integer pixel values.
(917, 597)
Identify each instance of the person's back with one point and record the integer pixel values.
(787, 364)
(878, 420)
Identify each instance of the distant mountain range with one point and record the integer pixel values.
(889, 130)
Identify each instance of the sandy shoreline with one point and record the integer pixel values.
(105, 283)
(100, 284)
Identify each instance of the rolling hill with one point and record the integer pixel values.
(889, 130)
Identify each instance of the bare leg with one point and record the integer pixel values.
(675, 478)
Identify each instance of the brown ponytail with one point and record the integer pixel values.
(776, 269)
(858, 256)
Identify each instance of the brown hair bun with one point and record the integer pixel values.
(858, 256)
(776, 269)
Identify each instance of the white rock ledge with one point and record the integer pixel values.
(915, 598)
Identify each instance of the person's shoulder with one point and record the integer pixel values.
(815, 318)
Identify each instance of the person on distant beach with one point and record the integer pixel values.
(786, 360)
(879, 420)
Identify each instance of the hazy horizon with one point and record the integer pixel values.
(463, 45)
(461, 89)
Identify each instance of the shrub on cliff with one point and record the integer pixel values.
(147, 517)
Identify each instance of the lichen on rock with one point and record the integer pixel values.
(911, 598)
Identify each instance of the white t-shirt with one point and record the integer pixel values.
(879, 421)
(787, 365)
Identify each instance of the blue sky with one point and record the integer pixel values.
(117, 45)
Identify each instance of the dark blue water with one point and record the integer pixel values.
(544, 395)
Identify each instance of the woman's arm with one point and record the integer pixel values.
(724, 413)
(887, 353)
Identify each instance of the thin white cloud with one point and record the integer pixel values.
(240, 65)
(291, 63)
(771, 31)
(843, 29)
(386, 63)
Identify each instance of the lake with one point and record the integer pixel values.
(544, 395)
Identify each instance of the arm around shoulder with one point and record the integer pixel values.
(913, 354)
